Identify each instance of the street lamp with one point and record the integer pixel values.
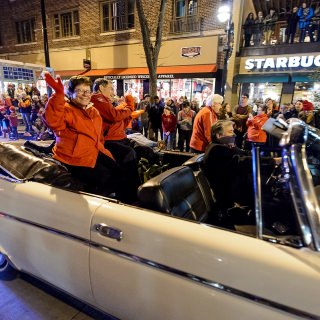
(224, 15)
(45, 40)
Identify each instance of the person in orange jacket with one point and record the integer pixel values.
(205, 118)
(115, 121)
(79, 142)
(24, 104)
(255, 123)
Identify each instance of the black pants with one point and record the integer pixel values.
(103, 179)
(126, 157)
(184, 136)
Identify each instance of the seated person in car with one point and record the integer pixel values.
(227, 167)
(77, 126)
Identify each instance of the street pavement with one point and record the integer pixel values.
(26, 298)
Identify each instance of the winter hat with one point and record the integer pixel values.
(307, 106)
(12, 108)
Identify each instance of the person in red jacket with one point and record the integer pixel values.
(255, 123)
(79, 143)
(205, 118)
(169, 126)
(115, 121)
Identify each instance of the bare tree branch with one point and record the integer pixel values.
(151, 50)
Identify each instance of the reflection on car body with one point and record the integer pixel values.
(137, 263)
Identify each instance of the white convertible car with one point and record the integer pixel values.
(165, 259)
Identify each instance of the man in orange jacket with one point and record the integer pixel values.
(205, 118)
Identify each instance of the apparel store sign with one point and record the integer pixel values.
(283, 63)
(140, 76)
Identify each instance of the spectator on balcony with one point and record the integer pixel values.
(292, 22)
(269, 25)
(258, 29)
(315, 26)
(305, 14)
(248, 29)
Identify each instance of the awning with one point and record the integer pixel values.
(208, 69)
(261, 78)
(303, 77)
(69, 73)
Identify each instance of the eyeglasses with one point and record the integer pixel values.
(85, 92)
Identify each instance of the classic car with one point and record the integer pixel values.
(165, 258)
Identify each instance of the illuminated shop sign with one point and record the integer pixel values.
(140, 76)
(283, 62)
(190, 52)
(13, 73)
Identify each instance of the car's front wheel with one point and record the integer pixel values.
(7, 272)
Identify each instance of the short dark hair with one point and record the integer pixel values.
(77, 80)
(99, 82)
(155, 97)
(146, 95)
(245, 94)
(185, 104)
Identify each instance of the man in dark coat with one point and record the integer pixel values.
(227, 167)
(155, 119)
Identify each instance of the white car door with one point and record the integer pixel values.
(167, 268)
(45, 231)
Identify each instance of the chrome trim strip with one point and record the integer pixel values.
(257, 190)
(206, 282)
(309, 203)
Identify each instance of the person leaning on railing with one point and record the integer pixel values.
(305, 14)
(269, 25)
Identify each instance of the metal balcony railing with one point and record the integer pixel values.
(279, 34)
(185, 24)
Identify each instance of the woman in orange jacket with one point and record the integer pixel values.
(79, 143)
(255, 123)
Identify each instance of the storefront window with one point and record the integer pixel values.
(308, 91)
(193, 88)
(259, 92)
(134, 87)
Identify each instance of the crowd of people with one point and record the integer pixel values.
(185, 126)
(22, 103)
(302, 21)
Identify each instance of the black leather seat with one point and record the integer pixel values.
(195, 164)
(175, 192)
(23, 165)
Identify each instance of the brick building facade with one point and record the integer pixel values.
(77, 30)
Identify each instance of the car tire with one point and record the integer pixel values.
(7, 272)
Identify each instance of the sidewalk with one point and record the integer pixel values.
(21, 131)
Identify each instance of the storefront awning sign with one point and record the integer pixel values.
(283, 63)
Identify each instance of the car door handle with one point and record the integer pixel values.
(108, 231)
